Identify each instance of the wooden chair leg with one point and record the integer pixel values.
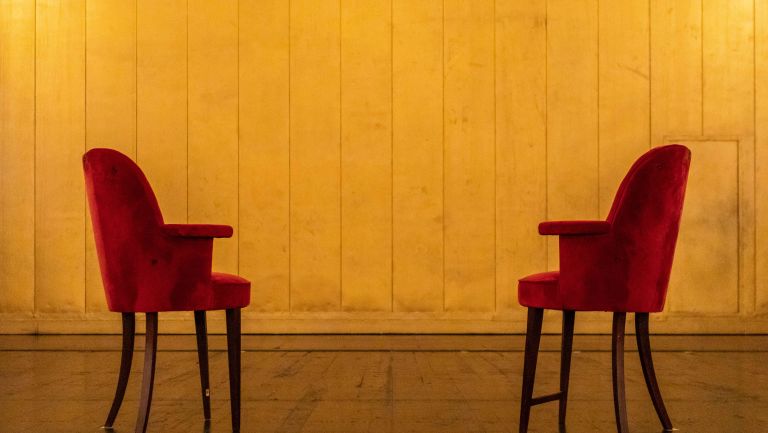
(619, 392)
(129, 330)
(532, 338)
(565, 364)
(150, 355)
(233, 352)
(201, 330)
(646, 361)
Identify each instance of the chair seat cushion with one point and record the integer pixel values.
(228, 291)
(540, 291)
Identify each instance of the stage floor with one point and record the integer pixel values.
(365, 383)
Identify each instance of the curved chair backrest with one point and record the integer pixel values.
(645, 219)
(125, 215)
(142, 269)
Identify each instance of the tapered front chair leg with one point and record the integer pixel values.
(150, 355)
(233, 352)
(565, 364)
(532, 339)
(619, 392)
(129, 330)
(201, 330)
(646, 361)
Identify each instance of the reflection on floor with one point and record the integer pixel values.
(381, 384)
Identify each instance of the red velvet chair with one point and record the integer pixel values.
(148, 266)
(621, 265)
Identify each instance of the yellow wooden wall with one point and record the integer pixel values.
(384, 162)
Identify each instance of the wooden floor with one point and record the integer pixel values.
(381, 384)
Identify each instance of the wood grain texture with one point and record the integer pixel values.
(469, 156)
(572, 113)
(384, 163)
(676, 69)
(315, 155)
(110, 101)
(728, 110)
(264, 152)
(428, 385)
(366, 155)
(213, 122)
(761, 155)
(521, 144)
(624, 96)
(708, 233)
(161, 104)
(417, 155)
(676, 77)
(17, 156)
(59, 147)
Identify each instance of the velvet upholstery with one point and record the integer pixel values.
(574, 227)
(621, 264)
(541, 290)
(197, 230)
(146, 265)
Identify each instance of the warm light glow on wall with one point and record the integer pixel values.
(384, 163)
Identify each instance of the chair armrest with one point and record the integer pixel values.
(197, 230)
(574, 228)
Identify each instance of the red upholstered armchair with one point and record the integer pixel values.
(621, 265)
(148, 266)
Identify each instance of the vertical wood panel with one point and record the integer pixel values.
(521, 92)
(264, 145)
(315, 155)
(60, 143)
(366, 155)
(388, 154)
(709, 233)
(161, 108)
(761, 154)
(212, 128)
(469, 156)
(676, 84)
(17, 155)
(417, 110)
(111, 70)
(728, 108)
(624, 110)
(110, 100)
(572, 116)
(728, 68)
